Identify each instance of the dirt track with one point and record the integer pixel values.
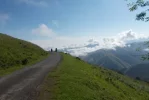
(24, 84)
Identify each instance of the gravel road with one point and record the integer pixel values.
(24, 84)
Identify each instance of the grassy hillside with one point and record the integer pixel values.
(76, 80)
(16, 53)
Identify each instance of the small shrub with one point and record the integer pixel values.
(138, 78)
(17, 62)
(24, 62)
(78, 58)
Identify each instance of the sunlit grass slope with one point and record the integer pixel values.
(16, 53)
(76, 80)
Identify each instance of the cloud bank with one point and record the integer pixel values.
(84, 45)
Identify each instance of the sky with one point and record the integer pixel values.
(65, 23)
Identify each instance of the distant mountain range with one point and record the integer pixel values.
(126, 60)
(108, 59)
(120, 58)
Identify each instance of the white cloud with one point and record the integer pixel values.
(4, 18)
(34, 2)
(43, 30)
(130, 35)
(83, 45)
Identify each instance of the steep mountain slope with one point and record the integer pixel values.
(75, 79)
(126, 55)
(109, 58)
(15, 52)
(112, 62)
(140, 70)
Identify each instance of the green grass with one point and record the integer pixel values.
(16, 53)
(74, 79)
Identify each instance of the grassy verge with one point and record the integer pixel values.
(11, 69)
(74, 79)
